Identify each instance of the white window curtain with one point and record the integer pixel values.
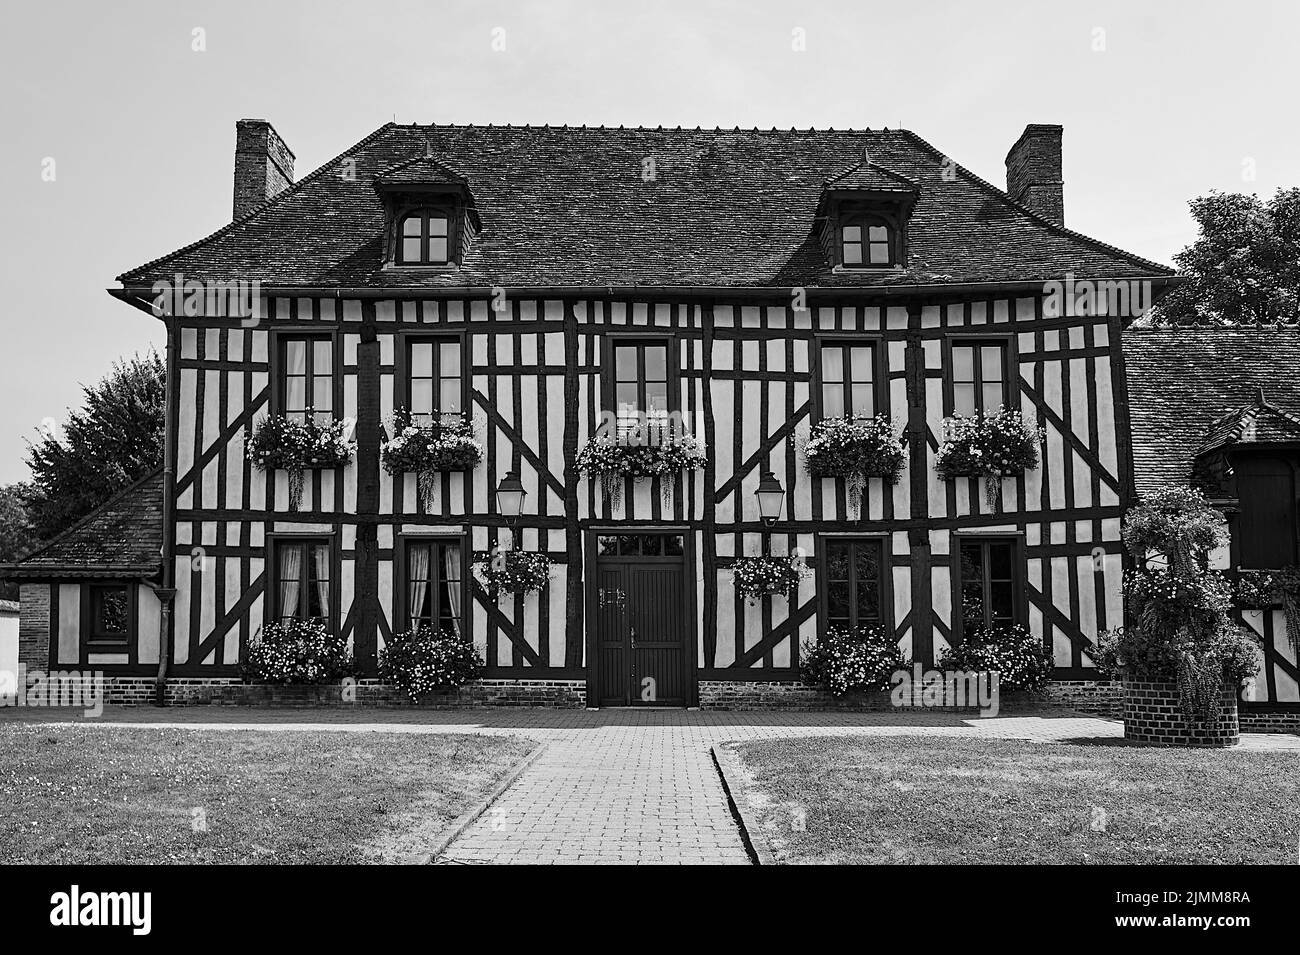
(290, 579)
(321, 555)
(417, 574)
(452, 561)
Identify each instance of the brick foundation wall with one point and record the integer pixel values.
(1261, 718)
(135, 691)
(1152, 714)
(34, 626)
(1085, 696)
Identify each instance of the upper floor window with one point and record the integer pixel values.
(848, 380)
(302, 580)
(867, 242)
(110, 614)
(979, 377)
(641, 384)
(307, 376)
(433, 585)
(436, 379)
(424, 238)
(988, 580)
(853, 576)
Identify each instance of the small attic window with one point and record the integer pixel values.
(867, 242)
(424, 237)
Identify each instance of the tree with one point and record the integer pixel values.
(115, 439)
(17, 533)
(1244, 267)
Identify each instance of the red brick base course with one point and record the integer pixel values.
(133, 691)
(1152, 714)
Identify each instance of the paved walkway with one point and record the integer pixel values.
(620, 786)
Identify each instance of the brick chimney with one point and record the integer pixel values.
(1034, 172)
(263, 165)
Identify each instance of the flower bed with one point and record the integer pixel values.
(614, 458)
(1020, 659)
(846, 660)
(280, 443)
(421, 662)
(299, 651)
(758, 577)
(513, 571)
(855, 448)
(992, 445)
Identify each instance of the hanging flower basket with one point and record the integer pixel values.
(855, 448)
(279, 443)
(757, 577)
(992, 445)
(448, 444)
(513, 571)
(612, 459)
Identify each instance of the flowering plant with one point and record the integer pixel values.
(513, 571)
(418, 662)
(1021, 660)
(855, 448)
(653, 454)
(757, 577)
(448, 444)
(289, 444)
(1263, 589)
(297, 651)
(991, 445)
(848, 659)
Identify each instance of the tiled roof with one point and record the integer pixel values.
(1190, 389)
(867, 175)
(1259, 422)
(123, 537)
(585, 207)
(9, 606)
(421, 170)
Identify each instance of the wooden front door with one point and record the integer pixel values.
(641, 620)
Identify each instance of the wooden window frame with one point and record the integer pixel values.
(1010, 368)
(1020, 577)
(609, 374)
(402, 358)
(879, 369)
(92, 641)
(865, 219)
(271, 599)
(425, 211)
(401, 612)
(886, 579)
(279, 380)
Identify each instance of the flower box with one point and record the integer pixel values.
(991, 445)
(636, 455)
(513, 571)
(448, 444)
(280, 443)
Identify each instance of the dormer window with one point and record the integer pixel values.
(424, 237)
(866, 242)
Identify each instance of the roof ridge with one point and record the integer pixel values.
(1069, 233)
(87, 518)
(253, 213)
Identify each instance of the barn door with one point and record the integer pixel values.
(640, 620)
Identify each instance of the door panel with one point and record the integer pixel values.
(640, 621)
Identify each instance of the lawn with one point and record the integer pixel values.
(86, 794)
(906, 800)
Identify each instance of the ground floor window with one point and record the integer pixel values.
(110, 615)
(302, 580)
(434, 580)
(853, 575)
(989, 581)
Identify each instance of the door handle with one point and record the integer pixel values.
(633, 637)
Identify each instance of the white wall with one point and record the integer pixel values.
(8, 650)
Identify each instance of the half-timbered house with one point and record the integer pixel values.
(535, 279)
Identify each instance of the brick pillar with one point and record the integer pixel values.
(34, 626)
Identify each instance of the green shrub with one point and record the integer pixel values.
(423, 661)
(845, 660)
(1020, 659)
(299, 651)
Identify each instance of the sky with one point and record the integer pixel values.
(135, 103)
